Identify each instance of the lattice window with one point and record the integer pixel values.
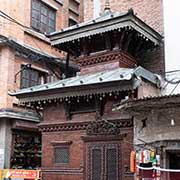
(96, 164)
(103, 162)
(111, 164)
(61, 155)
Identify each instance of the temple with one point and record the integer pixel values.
(82, 138)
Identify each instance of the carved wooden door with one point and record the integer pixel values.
(103, 162)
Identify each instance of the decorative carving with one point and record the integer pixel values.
(120, 56)
(82, 125)
(102, 127)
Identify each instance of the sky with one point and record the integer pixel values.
(172, 34)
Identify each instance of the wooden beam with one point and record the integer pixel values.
(116, 36)
(108, 41)
(128, 40)
(67, 64)
(138, 47)
(123, 32)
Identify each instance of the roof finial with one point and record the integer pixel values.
(107, 6)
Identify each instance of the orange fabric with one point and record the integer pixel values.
(133, 162)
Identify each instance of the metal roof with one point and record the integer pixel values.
(170, 92)
(35, 54)
(107, 22)
(116, 75)
(172, 83)
(20, 115)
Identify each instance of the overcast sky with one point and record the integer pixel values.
(172, 34)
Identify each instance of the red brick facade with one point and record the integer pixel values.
(74, 130)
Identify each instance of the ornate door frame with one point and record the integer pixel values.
(109, 167)
(102, 137)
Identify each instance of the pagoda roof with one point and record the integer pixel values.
(106, 22)
(120, 79)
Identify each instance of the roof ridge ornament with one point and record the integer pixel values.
(107, 8)
(131, 11)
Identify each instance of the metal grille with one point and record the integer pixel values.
(96, 164)
(111, 164)
(61, 155)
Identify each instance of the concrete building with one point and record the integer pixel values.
(156, 128)
(27, 59)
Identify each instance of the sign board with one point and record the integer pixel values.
(18, 173)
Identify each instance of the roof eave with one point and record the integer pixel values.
(127, 20)
(72, 91)
(146, 103)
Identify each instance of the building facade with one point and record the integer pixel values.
(81, 137)
(26, 60)
(156, 129)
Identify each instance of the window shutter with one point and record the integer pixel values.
(103, 162)
(24, 77)
(112, 163)
(43, 17)
(96, 164)
(61, 155)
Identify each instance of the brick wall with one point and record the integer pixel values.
(10, 64)
(56, 114)
(153, 60)
(7, 76)
(149, 11)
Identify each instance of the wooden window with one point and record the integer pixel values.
(61, 155)
(31, 77)
(111, 160)
(43, 17)
(97, 163)
(103, 162)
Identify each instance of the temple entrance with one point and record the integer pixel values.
(103, 161)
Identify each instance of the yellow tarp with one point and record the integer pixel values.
(0, 174)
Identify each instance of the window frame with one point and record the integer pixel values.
(31, 81)
(103, 147)
(49, 9)
(54, 157)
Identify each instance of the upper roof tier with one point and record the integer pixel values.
(108, 21)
